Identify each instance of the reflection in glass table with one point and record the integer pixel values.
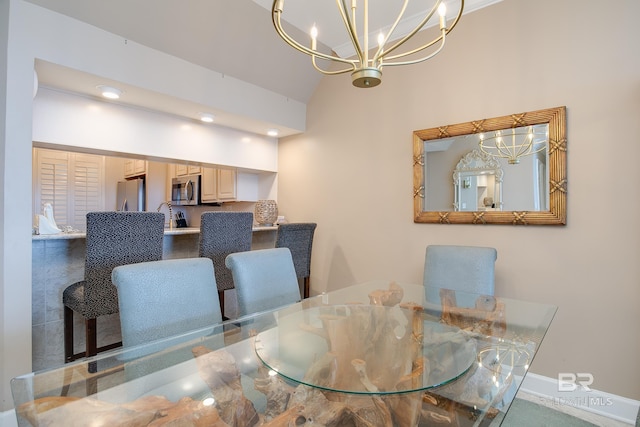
(368, 355)
(365, 349)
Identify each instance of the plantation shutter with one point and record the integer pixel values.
(72, 182)
(88, 187)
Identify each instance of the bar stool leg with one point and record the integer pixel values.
(221, 298)
(91, 338)
(68, 334)
(307, 286)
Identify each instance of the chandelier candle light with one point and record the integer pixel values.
(511, 144)
(365, 71)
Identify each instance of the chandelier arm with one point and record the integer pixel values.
(367, 72)
(510, 151)
(504, 151)
(427, 45)
(521, 149)
(293, 43)
(416, 61)
(351, 28)
(378, 55)
(331, 73)
(414, 31)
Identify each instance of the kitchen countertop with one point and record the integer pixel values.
(167, 232)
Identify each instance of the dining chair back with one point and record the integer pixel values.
(298, 237)
(463, 268)
(265, 279)
(222, 233)
(112, 239)
(160, 299)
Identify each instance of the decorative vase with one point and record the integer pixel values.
(266, 212)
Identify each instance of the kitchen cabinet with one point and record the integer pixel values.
(218, 185)
(182, 170)
(134, 167)
(227, 184)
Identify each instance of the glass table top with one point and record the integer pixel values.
(402, 354)
(365, 349)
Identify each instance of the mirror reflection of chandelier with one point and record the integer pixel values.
(366, 71)
(514, 143)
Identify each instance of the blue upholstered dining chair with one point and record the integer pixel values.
(463, 268)
(265, 279)
(161, 299)
(113, 239)
(298, 237)
(222, 233)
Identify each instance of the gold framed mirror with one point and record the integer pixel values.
(532, 171)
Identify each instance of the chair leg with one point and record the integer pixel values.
(221, 298)
(91, 344)
(91, 337)
(307, 286)
(68, 334)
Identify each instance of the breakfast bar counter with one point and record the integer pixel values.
(168, 232)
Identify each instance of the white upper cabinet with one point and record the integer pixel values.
(134, 167)
(218, 185)
(182, 170)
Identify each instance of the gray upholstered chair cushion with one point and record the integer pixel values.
(166, 298)
(463, 268)
(298, 237)
(222, 233)
(265, 279)
(113, 239)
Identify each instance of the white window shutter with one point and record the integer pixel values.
(51, 184)
(72, 182)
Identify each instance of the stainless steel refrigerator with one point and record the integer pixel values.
(130, 195)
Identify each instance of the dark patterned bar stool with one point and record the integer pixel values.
(223, 233)
(113, 239)
(298, 237)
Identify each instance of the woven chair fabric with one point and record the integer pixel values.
(298, 237)
(113, 239)
(462, 268)
(161, 299)
(265, 279)
(223, 233)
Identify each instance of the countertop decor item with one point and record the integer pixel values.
(266, 212)
(46, 222)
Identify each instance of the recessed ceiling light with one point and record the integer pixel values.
(272, 132)
(206, 117)
(109, 92)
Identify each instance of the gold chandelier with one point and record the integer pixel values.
(366, 71)
(514, 143)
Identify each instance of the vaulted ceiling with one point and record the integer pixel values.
(232, 37)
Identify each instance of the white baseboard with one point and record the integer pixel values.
(597, 402)
(8, 419)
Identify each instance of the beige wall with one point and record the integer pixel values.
(351, 172)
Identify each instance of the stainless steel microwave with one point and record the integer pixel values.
(185, 190)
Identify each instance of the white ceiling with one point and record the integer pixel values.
(325, 16)
(232, 37)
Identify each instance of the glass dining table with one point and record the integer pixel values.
(374, 354)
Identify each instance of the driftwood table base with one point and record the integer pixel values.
(375, 356)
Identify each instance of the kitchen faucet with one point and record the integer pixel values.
(170, 213)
